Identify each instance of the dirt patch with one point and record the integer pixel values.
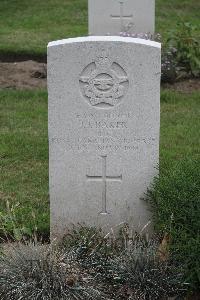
(23, 75)
(21, 56)
(32, 74)
(186, 86)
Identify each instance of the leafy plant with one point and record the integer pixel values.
(10, 224)
(187, 49)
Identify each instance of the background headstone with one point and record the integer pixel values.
(104, 119)
(110, 17)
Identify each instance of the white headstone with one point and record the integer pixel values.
(110, 17)
(104, 119)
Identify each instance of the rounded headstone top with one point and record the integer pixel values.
(105, 39)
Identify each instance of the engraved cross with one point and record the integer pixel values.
(122, 16)
(104, 179)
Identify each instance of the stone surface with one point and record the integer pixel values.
(104, 118)
(110, 17)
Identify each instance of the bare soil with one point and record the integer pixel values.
(31, 74)
(186, 86)
(23, 75)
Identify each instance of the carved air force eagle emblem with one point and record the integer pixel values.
(104, 83)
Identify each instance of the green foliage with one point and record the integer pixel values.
(175, 198)
(186, 48)
(9, 223)
(181, 53)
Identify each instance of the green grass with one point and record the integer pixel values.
(27, 26)
(24, 160)
(180, 126)
(24, 150)
(169, 12)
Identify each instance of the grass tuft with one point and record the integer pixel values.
(88, 265)
(175, 198)
(35, 271)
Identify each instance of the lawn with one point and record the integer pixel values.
(24, 151)
(180, 126)
(27, 26)
(24, 161)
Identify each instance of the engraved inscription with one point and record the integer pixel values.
(103, 143)
(122, 16)
(103, 124)
(103, 82)
(104, 179)
(105, 132)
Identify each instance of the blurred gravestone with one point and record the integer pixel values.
(110, 17)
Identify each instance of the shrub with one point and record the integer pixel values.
(175, 198)
(187, 49)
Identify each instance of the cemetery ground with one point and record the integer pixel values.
(24, 200)
(24, 178)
